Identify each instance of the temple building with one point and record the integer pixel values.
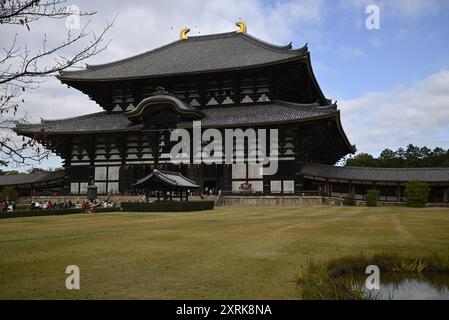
(227, 81)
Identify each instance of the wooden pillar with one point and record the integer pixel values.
(187, 195)
(158, 195)
(171, 195)
(399, 192)
(180, 195)
(446, 195)
(387, 188)
(217, 178)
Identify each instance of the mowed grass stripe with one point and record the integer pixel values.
(230, 252)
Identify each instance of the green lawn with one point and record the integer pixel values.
(230, 252)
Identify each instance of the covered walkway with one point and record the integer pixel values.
(339, 181)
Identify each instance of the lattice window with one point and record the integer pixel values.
(276, 186)
(74, 188)
(289, 186)
(239, 171)
(100, 173)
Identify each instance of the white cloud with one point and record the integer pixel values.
(54, 101)
(144, 25)
(418, 114)
(347, 52)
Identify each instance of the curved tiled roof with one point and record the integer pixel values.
(275, 112)
(94, 122)
(161, 96)
(377, 174)
(216, 52)
(31, 178)
(232, 116)
(168, 178)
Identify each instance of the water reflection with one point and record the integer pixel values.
(404, 286)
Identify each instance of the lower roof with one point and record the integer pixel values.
(432, 175)
(274, 112)
(31, 178)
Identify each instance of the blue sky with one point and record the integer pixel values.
(392, 84)
(356, 61)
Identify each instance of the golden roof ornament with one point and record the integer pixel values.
(242, 25)
(183, 33)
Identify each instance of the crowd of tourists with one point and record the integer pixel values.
(101, 204)
(44, 205)
(67, 204)
(7, 206)
(10, 206)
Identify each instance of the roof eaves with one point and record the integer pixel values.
(67, 80)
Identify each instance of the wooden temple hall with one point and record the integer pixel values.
(227, 81)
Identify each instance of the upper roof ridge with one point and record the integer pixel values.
(249, 37)
(271, 46)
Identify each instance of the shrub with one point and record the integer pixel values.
(37, 213)
(167, 206)
(372, 196)
(8, 194)
(416, 194)
(349, 199)
(51, 212)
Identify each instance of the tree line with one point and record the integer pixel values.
(409, 157)
(32, 170)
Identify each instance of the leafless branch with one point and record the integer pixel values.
(23, 68)
(25, 12)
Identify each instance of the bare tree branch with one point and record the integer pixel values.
(22, 68)
(25, 12)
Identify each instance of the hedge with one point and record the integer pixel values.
(167, 206)
(51, 212)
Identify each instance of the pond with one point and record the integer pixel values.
(405, 286)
